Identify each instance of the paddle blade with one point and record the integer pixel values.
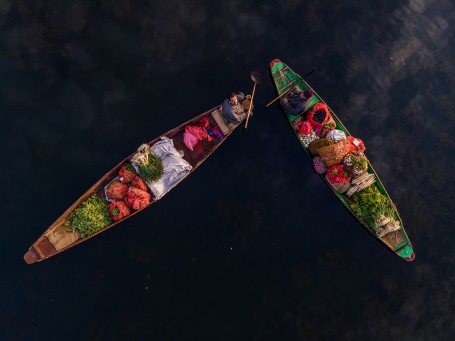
(256, 77)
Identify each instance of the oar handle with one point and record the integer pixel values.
(291, 86)
(277, 98)
(251, 105)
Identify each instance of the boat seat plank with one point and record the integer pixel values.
(45, 247)
(220, 122)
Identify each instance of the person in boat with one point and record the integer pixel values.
(296, 101)
(233, 110)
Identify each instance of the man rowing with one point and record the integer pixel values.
(297, 101)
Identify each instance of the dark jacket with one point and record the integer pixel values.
(234, 113)
(296, 104)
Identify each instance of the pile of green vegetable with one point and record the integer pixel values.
(359, 162)
(152, 170)
(90, 216)
(149, 165)
(370, 203)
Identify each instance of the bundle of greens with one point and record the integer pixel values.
(90, 216)
(149, 165)
(369, 203)
(355, 164)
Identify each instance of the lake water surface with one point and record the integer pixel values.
(252, 246)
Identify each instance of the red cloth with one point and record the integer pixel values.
(204, 122)
(193, 134)
(199, 132)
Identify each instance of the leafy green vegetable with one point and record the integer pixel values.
(130, 167)
(370, 203)
(152, 169)
(115, 211)
(359, 162)
(91, 216)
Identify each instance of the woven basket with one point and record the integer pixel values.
(315, 145)
(334, 153)
(351, 162)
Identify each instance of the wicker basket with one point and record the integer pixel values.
(355, 164)
(334, 153)
(315, 145)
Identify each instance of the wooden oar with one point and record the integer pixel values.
(257, 80)
(291, 86)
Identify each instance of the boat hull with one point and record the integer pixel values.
(284, 78)
(59, 237)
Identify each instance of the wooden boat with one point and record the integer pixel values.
(61, 236)
(397, 240)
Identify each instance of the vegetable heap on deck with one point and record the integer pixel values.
(90, 216)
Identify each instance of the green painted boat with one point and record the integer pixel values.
(371, 205)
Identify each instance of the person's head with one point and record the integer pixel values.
(232, 98)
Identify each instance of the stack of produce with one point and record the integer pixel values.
(150, 166)
(338, 178)
(385, 225)
(321, 119)
(360, 183)
(357, 144)
(305, 131)
(355, 163)
(90, 216)
(127, 192)
(336, 135)
(341, 160)
(119, 210)
(375, 210)
(319, 165)
(335, 153)
(116, 190)
(315, 145)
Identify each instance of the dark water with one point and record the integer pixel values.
(253, 246)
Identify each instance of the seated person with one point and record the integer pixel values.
(296, 101)
(233, 111)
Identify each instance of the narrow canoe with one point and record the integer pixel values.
(397, 241)
(61, 236)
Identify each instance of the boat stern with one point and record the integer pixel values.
(407, 253)
(31, 256)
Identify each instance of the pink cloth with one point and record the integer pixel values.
(190, 140)
(194, 134)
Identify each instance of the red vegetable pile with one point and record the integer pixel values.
(127, 194)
